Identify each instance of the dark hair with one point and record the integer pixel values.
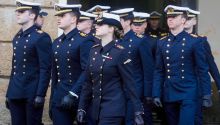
(118, 34)
(35, 12)
(184, 15)
(76, 14)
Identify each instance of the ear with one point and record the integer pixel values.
(194, 21)
(145, 25)
(32, 16)
(73, 19)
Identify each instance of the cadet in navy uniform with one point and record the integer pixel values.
(70, 56)
(213, 69)
(108, 69)
(31, 68)
(85, 25)
(154, 25)
(142, 60)
(40, 19)
(180, 61)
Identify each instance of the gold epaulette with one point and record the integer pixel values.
(82, 34)
(163, 34)
(119, 46)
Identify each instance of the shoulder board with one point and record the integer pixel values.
(82, 34)
(95, 45)
(153, 36)
(40, 31)
(163, 34)
(194, 35)
(119, 46)
(163, 38)
(139, 35)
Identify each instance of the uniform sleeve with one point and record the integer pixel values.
(86, 92)
(84, 54)
(44, 50)
(148, 67)
(213, 69)
(202, 67)
(159, 75)
(124, 67)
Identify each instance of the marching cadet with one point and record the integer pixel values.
(180, 61)
(140, 53)
(85, 25)
(31, 68)
(108, 72)
(139, 26)
(213, 69)
(70, 55)
(154, 25)
(40, 19)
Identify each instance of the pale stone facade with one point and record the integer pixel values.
(9, 28)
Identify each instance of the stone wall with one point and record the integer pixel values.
(9, 28)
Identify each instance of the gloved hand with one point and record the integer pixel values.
(157, 102)
(148, 100)
(39, 102)
(207, 101)
(7, 103)
(81, 116)
(138, 118)
(68, 102)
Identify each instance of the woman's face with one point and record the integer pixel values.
(102, 30)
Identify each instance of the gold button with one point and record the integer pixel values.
(26, 40)
(167, 58)
(56, 60)
(23, 72)
(93, 96)
(14, 54)
(103, 60)
(70, 80)
(24, 66)
(100, 89)
(60, 40)
(100, 82)
(96, 53)
(29, 35)
(101, 67)
(182, 64)
(183, 77)
(182, 50)
(130, 46)
(25, 60)
(168, 64)
(14, 73)
(167, 51)
(168, 45)
(16, 42)
(100, 74)
(24, 53)
(182, 70)
(56, 52)
(168, 77)
(68, 52)
(169, 40)
(184, 39)
(93, 59)
(70, 45)
(58, 67)
(182, 57)
(70, 73)
(68, 59)
(130, 40)
(14, 48)
(58, 73)
(14, 66)
(14, 60)
(168, 70)
(25, 47)
(58, 46)
(100, 97)
(58, 80)
(72, 39)
(69, 66)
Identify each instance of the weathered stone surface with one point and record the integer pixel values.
(5, 58)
